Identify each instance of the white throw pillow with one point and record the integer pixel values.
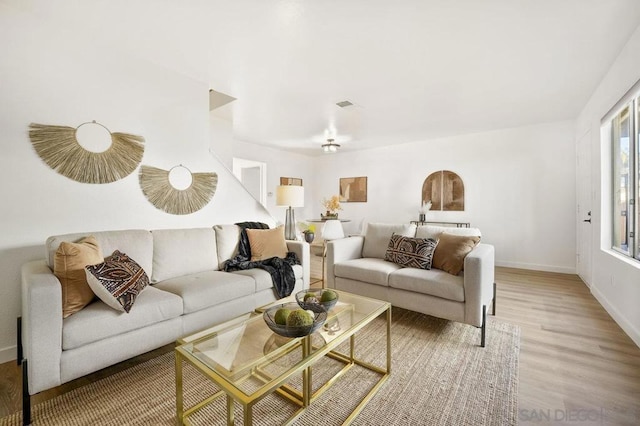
(377, 236)
(227, 241)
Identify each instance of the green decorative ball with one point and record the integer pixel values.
(328, 296)
(299, 318)
(281, 316)
(309, 295)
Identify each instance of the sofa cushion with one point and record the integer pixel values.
(377, 236)
(263, 278)
(137, 243)
(98, 321)
(117, 281)
(431, 231)
(267, 243)
(227, 242)
(433, 282)
(451, 251)
(209, 288)
(370, 270)
(411, 252)
(69, 262)
(179, 252)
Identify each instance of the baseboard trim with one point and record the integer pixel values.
(535, 267)
(624, 324)
(8, 354)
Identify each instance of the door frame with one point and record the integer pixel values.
(584, 208)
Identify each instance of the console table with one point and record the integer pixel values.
(457, 224)
(324, 220)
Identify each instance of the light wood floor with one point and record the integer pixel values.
(577, 367)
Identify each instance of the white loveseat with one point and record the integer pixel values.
(189, 291)
(356, 265)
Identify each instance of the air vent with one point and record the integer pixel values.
(344, 104)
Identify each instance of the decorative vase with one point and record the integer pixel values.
(309, 236)
(423, 217)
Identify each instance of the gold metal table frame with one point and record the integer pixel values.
(310, 355)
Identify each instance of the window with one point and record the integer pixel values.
(625, 139)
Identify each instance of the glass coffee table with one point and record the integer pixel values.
(247, 361)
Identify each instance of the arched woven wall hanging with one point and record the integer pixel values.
(445, 190)
(157, 187)
(58, 147)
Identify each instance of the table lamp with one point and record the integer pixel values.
(291, 196)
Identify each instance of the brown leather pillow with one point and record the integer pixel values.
(68, 265)
(451, 251)
(267, 243)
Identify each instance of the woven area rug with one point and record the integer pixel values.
(440, 376)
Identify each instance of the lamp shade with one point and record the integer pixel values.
(290, 195)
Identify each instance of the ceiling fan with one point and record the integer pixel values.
(330, 147)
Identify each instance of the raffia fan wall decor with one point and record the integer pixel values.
(58, 147)
(158, 189)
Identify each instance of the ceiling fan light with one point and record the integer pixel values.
(330, 147)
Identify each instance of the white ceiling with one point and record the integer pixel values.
(415, 69)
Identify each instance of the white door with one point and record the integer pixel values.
(585, 225)
(251, 179)
(253, 176)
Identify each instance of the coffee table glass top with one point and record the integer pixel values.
(235, 349)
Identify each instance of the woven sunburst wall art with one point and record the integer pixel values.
(58, 147)
(158, 189)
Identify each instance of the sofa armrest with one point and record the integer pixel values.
(479, 270)
(301, 249)
(339, 251)
(41, 325)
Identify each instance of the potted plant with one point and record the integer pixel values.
(332, 205)
(309, 233)
(424, 208)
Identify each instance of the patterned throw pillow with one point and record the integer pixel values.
(117, 281)
(411, 252)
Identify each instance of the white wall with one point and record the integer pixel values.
(519, 188)
(615, 280)
(284, 164)
(53, 75)
(221, 134)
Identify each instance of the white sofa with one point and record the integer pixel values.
(188, 292)
(356, 265)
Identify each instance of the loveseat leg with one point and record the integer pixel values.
(26, 398)
(495, 297)
(483, 329)
(19, 340)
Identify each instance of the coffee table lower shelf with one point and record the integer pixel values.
(279, 384)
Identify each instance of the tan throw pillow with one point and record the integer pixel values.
(68, 265)
(267, 243)
(451, 251)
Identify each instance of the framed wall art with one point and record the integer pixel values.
(291, 181)
(353, 189)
